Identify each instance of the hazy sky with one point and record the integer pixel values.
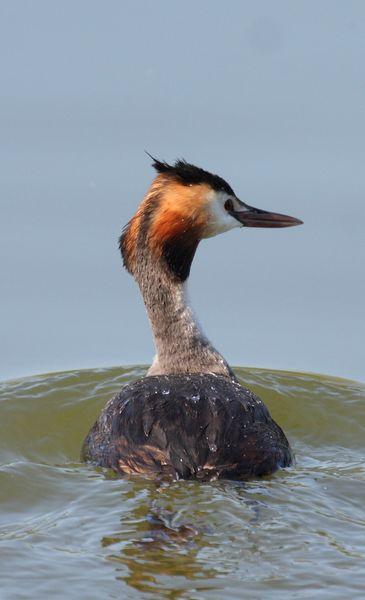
(270, 95)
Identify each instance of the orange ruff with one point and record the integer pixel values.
(181, 212)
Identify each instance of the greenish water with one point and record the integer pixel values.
(70, 530)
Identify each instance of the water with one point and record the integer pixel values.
(270, 95)
(68, 529)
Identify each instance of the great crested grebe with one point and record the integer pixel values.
(189, 417)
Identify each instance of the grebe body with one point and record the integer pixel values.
(189, 417)
(187, 426)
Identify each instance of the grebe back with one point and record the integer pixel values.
(189, 417)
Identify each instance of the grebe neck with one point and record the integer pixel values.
(181, 346)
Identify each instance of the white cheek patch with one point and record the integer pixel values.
(218, 218)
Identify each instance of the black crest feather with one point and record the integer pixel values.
(189, 174)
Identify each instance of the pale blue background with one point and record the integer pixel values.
(271, 95)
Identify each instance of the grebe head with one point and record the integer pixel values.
(184, 205)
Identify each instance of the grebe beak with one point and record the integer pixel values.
(255, 217)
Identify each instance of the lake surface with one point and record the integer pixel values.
(72, 530)
(269, 95)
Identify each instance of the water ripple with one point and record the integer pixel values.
(300, 533)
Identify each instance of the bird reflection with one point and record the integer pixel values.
(169, 541)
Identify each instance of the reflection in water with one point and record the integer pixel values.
(178, 532)
(290, 535)
(164, 545)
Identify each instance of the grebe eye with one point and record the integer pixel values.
(228, 205)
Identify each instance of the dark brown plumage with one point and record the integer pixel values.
(187, 426)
